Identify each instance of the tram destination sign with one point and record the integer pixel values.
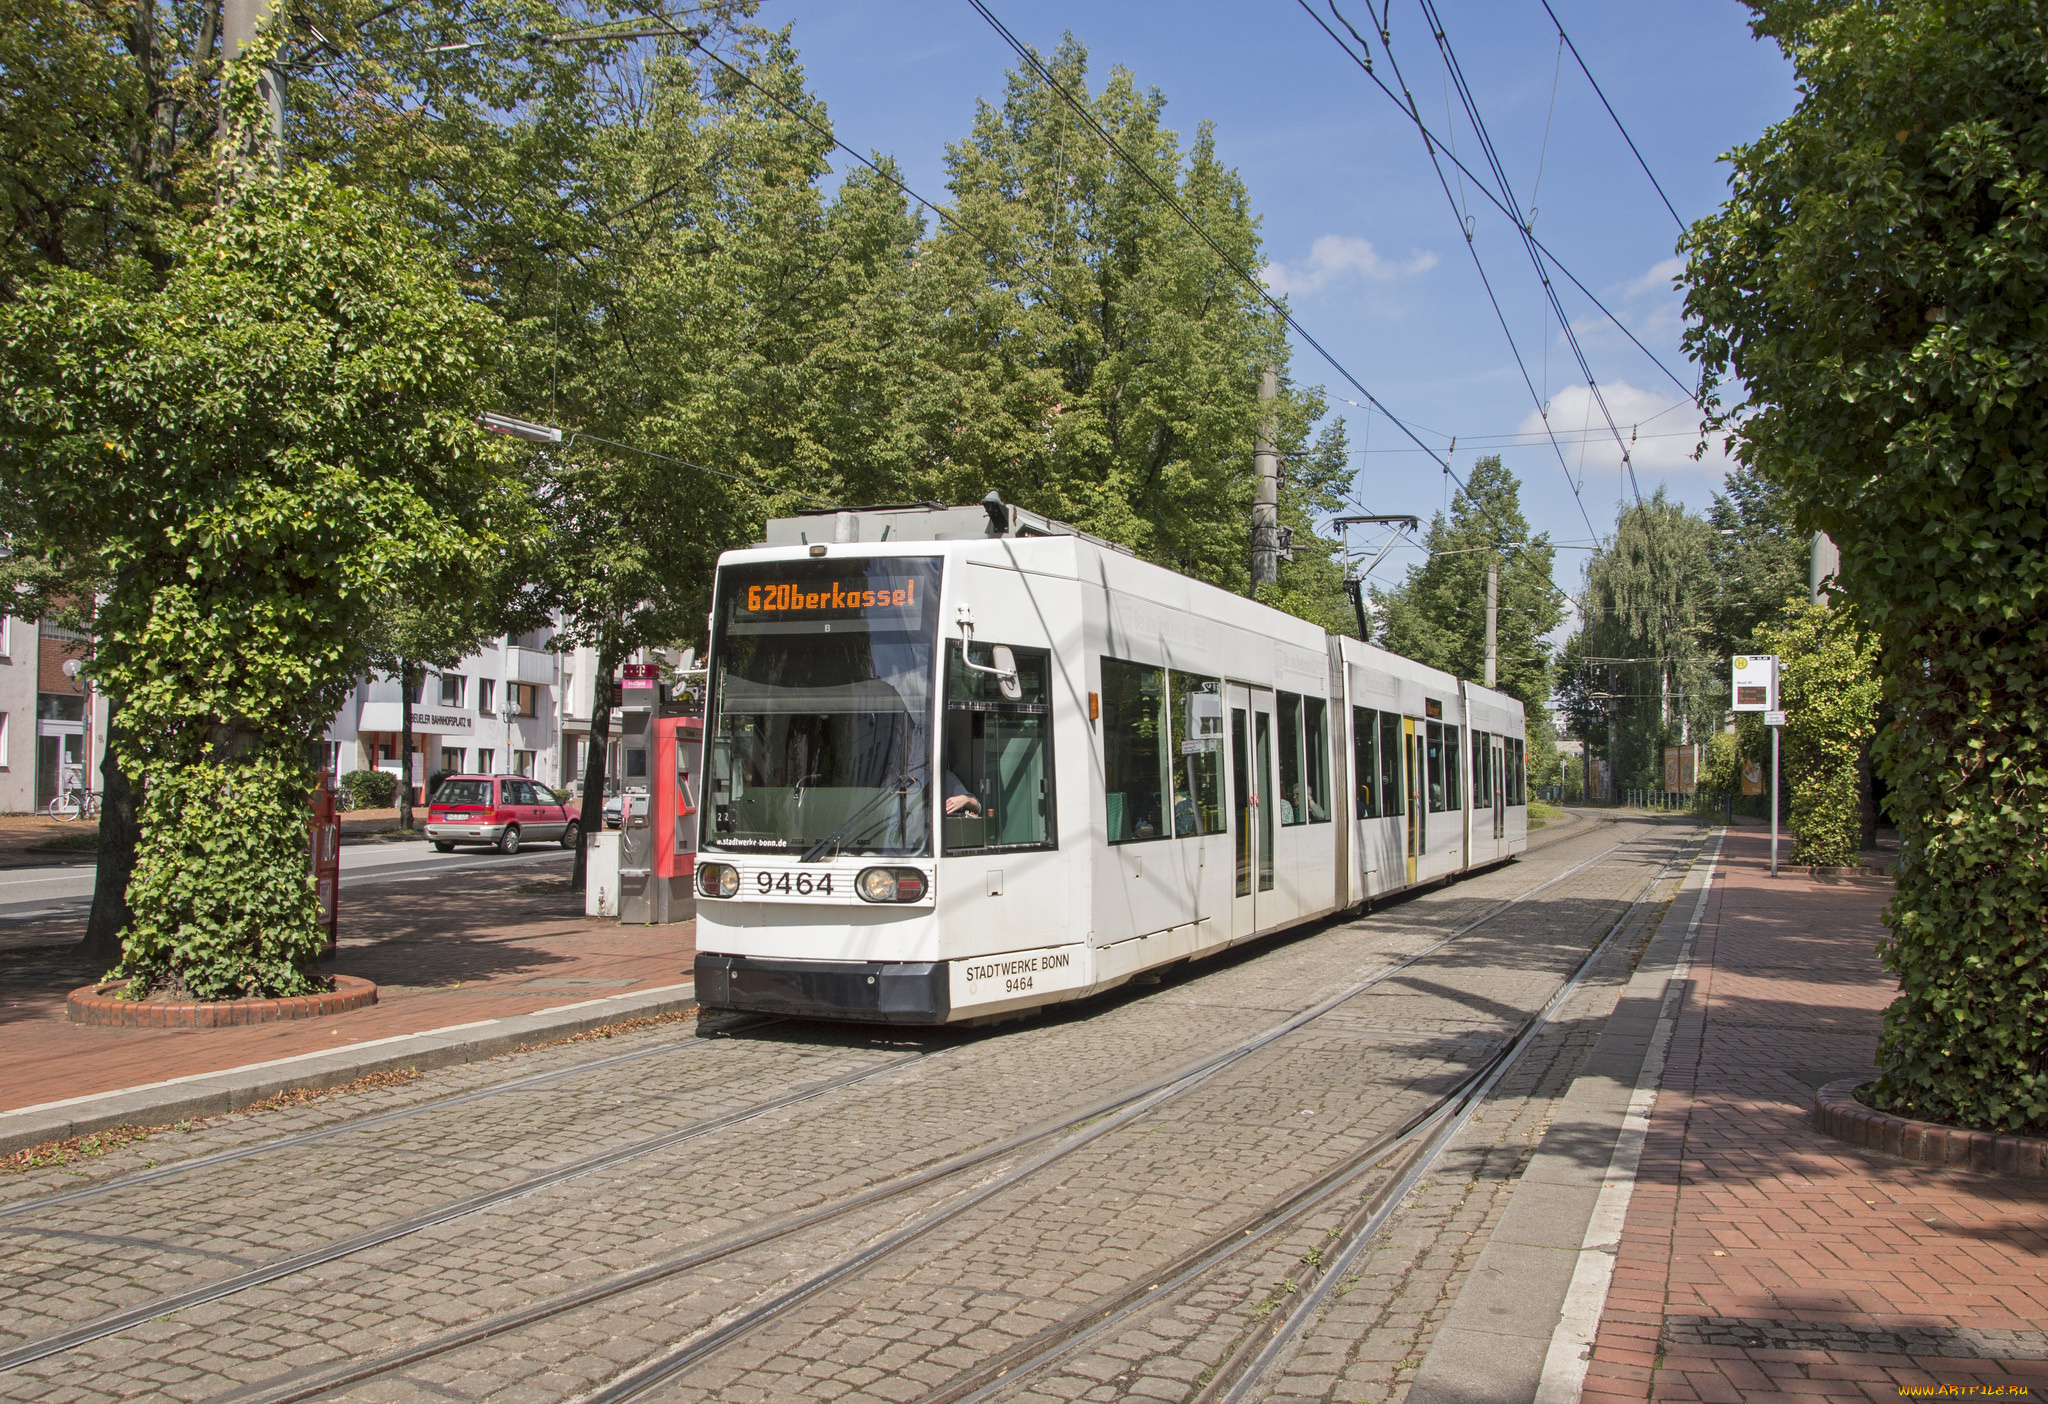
(863, 594)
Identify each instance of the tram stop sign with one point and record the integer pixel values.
(1755, 682)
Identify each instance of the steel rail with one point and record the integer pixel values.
(207, 1162)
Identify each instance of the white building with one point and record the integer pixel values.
(53, 721)
(514, 707)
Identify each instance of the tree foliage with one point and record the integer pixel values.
(1876, 282)
(1437, 615)
(247, 449)
(1638, 669)
(1828, 687)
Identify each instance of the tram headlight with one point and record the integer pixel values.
(718, 879)
(890, 885)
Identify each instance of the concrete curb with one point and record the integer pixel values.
(212, 1094)
(1837, 1113)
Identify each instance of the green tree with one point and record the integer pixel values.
(1829, 690)
(1757, 560)
(1637, 675)
(248, 449)
(1438, 614)
(1101, 363)
(1874, 283)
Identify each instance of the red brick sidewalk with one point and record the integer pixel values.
(442, 951)
(1762, 1261)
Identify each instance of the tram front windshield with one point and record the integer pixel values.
(822, 692)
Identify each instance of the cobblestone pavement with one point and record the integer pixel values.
(1095, 1222)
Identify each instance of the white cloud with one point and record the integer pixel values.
(1337, 256)
(1659, 430)
(1658, 279)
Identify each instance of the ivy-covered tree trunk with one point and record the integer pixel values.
(1876, 283)
(253, 444)
(116, 856)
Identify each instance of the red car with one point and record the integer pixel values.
(503, 811)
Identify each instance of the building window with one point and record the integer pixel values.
(1197, 755)
(522, 763)
(60, 706)
(998, 755)
(5, 761)
(1134, 750)
(454, 688)
(452, 757)
(486, 695)
(6, 636)
(522, 699)
(1365, 759)
(486, 758)
(1315, 748)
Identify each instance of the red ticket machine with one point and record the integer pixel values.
(667, 891)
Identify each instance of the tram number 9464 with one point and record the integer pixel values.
(802, 884)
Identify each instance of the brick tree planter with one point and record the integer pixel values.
(100, 1004)
(1837, 1113)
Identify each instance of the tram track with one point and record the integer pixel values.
(343, 1128)
(1085, 1125)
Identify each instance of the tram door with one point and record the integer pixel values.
(1412, 777)
(1252, 813)
(1498, 773)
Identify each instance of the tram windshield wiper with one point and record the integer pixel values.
(828, 845)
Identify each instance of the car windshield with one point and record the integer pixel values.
(463, 792)
(822, 692)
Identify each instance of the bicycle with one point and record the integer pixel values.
(76, 804)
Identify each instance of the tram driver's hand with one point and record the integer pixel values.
(962, 804)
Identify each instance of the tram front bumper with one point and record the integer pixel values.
(878, 991)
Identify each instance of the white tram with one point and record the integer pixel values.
(963, 761)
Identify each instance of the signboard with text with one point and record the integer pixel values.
(1754, 680)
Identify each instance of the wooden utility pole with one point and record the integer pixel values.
(1492, 620)
(1266, 507)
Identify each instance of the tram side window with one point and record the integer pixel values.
(1482, 770)
(1518, 775)
(1197, 755)
(1433, 762)
(1134, 733)
(998, 755)
(1315, 745)
(1393, 794)
(1454, 779)
(1365, 759)
(1293, 809)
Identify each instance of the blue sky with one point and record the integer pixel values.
(1358, 231)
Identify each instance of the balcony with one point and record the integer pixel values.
(529, 665)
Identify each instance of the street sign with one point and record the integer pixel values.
(1754, 679)
(1774, 718)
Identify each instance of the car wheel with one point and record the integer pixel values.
(508, 842)
(440, 847)
(572, 835)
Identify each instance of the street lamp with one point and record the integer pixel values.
(520, 428)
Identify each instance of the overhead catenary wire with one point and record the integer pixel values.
(1364, 61)
(1566, 40)
(1172, 201)
(1472, 248)
(1465, 95)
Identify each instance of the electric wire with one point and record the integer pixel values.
(1566, 40)
(1465, 225)
(1691, 393)
(1172, 201)
(1494, 163)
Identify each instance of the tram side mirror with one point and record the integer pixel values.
(1006, 672)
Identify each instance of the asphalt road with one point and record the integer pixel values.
(66, 891)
